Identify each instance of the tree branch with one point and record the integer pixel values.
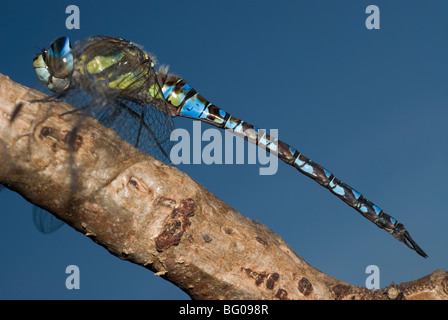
(153, 215)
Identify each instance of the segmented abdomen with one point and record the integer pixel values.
(189, 103)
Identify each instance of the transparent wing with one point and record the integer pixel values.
(45, 222)
(140, 124)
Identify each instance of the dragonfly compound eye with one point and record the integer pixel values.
(59, 58)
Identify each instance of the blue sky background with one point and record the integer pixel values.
(369, 105)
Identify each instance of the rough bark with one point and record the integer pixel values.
(154, 215)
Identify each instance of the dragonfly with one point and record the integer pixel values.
(122, 81)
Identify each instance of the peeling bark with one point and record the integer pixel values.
(153, 215)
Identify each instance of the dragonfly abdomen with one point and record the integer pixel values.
(189, 103)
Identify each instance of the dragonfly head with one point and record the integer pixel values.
(54, 65)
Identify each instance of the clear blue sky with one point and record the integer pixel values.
(369, 105)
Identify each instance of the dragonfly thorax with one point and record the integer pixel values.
(98, 65)
(111, 67)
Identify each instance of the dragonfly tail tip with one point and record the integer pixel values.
(401, 234)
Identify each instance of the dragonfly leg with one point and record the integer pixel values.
(52, 98)
(138, 117)
(80, 109)
(140, 127)
(116, 113)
